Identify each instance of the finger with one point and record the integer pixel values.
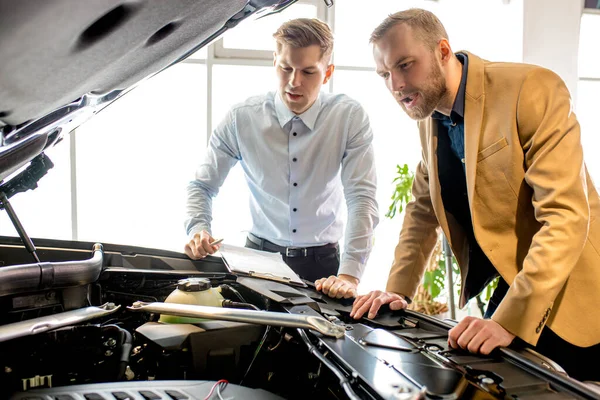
(333, 290)
(203, 243)
(477, 341)
(365, 306)
(199, 236)
(360, 300)
(489, 345)
(193, 247)
(188, 251)
(468, 334)
(319, 283)
(455, 332)
(199, 252)
(399, 304)
(344, 291)
(207, 247)
(328, 284)
(196, 245)
(363, 309)
(350, 292)
(376, 305)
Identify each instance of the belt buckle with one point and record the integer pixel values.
(292, 252)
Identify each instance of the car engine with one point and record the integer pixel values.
(104, 327)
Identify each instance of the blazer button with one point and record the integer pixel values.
(538, 329)
(462, 160)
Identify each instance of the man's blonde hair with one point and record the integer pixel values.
(305, 32)
(425, 25)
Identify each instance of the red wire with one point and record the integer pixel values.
(214, 386)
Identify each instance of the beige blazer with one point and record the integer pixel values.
(533, 205)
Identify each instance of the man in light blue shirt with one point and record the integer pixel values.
(302, 152)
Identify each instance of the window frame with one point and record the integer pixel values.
(589, 11)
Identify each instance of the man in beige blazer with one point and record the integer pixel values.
(503, 175)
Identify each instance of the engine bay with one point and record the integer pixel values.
(119, 336)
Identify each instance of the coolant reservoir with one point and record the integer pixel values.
(195, 291)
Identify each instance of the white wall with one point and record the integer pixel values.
(551, 37)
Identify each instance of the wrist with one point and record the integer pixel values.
(349, 278)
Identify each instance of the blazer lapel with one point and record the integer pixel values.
(474, 103)
(435, 191)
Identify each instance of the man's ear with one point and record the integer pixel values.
(328, 73)
(274, 58)
(445, 51)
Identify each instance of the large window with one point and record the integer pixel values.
(233, 84)
(135, 158)
(587, 91)
(254, 39)
(46, 211)
(494, 29)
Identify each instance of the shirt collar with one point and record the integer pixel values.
(285, 115)
(458, 109)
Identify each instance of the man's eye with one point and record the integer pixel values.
(385, 75)
(308, 72)
(286, 69)
(405, 65)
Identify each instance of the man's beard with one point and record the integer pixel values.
(430, 95)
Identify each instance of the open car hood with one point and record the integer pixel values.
(65, 60)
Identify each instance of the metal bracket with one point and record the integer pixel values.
(270, 318)
(44, 324)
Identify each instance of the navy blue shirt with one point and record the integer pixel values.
(453, 184)
(454, 125)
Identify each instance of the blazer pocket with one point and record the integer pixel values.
(491, 149)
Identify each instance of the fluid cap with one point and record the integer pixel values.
(193, 284)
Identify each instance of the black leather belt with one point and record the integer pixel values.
(290, 251)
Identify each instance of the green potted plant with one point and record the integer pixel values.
(434, 280)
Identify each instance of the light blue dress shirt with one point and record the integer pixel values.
(299, 168)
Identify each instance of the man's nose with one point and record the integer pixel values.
(295, 79)
(396, 82)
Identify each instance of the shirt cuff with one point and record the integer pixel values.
(351, 268)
